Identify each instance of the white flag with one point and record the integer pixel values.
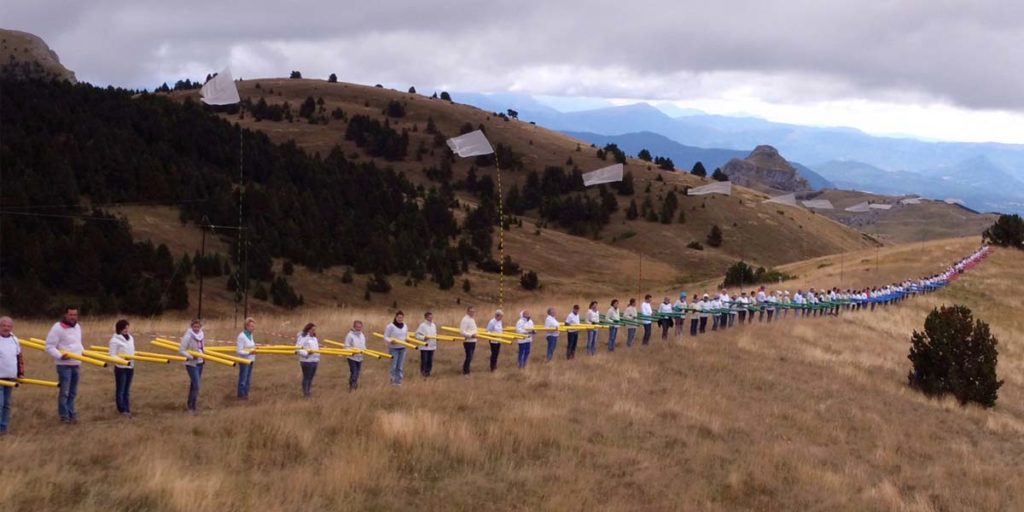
(881, 206)
(911, 200)
(609, 174)
(860, 207)
(820, 204)
(718, 187)
(787, 199)
(471, 144)
(220, 90)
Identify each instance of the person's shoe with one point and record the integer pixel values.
(65, 421)
(126, 415)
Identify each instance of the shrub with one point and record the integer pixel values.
(347, 276)
(288, 268)
(1008, 231)
(295, 75)
(718, 175)
(332, 79)
(529, 280)
(955, 354)
(395, 109)
(378, 283)
(259, 292)
(695, 245)
(715, 236)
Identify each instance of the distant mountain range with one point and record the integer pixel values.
(987, 176)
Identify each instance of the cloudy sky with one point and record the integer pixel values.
(938, 69)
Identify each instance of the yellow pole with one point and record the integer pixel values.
(8, 384)
(104, 357)
(37, 382)
(147, 359)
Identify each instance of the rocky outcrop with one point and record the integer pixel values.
(24, 55)
(765, 168)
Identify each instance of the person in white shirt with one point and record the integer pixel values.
(122, 344)
(12, 366)
(716, 312)
(65, 337)
(762, 301)
(357, 340)
(193, 340)
(572, 337)
(397, 331)
(630, 315)
(740, 304)
(524, 326)
(705, 305)
(468, 330)
(680, 308)
(647, 311)
(725, 303)
(665, 321)
(495, 325)
(551, 325)
(613, 318)
(245, 344)
(309, 357)
(593, 318)
(427, 333)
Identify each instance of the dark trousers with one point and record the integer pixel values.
(647, 334)
(122, 389)
(67, 380)
(470, 348)
(703, 324)
(693, 326)
(666, 324)
(426, 362)
(195, 375)
(5, 409)
(308, 372)
(571, 339)
(245, 379)
(354, 367)
(771, 313)
(495, 351)
(743, 316)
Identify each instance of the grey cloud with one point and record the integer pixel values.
(964, 53)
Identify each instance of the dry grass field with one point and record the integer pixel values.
(808, 414)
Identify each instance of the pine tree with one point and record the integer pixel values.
(699, 170)
(631, 212)
(714, 238)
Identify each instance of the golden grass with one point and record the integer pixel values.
(804, 414)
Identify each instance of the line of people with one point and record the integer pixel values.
(724, 310)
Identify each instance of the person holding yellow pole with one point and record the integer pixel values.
(245, 345)
(309, 358)
(494, 325)
(525, 327)
(357, 340)
(551, 324)
(468, 330)
(396, 330)
(193, 340)
(630, 316)
(572, 336)
(427, 332)
(65, 337)
(613, 318)
(12, 366)
(593, 318)
(122, 344)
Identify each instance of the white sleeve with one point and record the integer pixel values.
(51, 342)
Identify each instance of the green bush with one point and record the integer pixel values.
(529, 280)
(695, 245)
(1008, 231)
(715, 236)
(957, 355)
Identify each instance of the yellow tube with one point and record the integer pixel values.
(8, 384)
(147, 359)
(220, 349)
(229, 357)
(104, 357)
(160, 356)
(376, 354)
(99, 348)
(170, 345)
(489, 337)
(32, 344)
(416, 342)
(451, 329)
(37, 382)
(87, 359)
(335, 343)
(395, 341)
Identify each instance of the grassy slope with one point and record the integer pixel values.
(809, 414)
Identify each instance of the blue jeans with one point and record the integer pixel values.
(592, 341)
(571, 338)
(524, 354)
(397, 364)
(67, 380)
(5, 408)
(630, 336)
(552, 343)
(647, 334)
(245, 379)
(354, 368)
(122, 389)
(308, 372)
(613, 331)
(195, 374)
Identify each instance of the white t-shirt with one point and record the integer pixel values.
(9, 350)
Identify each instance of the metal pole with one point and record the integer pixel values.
(202, 262)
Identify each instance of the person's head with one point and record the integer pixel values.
(71, 315)
(593, 304)
(6, 326)
(428, 316)
(357, 326)
(682, 295)
(309, 329)
(498, 314)
(197, 325)
(399, 318)
(551, 311)
(647, 298)
(615, 303)
(250, 324)
(525, 314)
(121, 327)
(632, 302)
(575, 308)
(666, 300)
(470, 311)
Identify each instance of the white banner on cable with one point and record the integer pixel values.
(220, 90)
(471, 144)
(718, 187)
(609, 174)
(859, 207)
(881, 206)
(911, 200)
(953, 200)
(786, 199)
(820, 204)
